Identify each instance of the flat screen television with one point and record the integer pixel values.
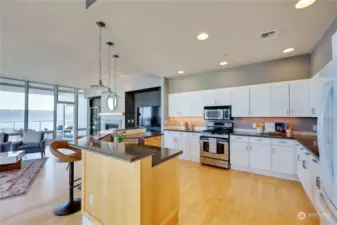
(149, 117)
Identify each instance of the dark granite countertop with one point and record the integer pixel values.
(147, 134)
(125, 152)
(309, 142)
(182, 130)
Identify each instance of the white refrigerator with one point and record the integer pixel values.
(326, 198)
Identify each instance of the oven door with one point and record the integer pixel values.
(213, 114)
(214, 148)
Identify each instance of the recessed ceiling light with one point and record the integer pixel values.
(180, 72)
(301, 4)
(223, 63)
(288, 50)
(202, 36)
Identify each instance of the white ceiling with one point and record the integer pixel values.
(56, 42)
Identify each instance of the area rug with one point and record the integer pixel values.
(16, 183)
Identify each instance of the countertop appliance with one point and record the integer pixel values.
(218, 112)
(214, 144)
(326, 196)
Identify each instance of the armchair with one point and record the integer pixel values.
(32, 142)
(5, 146)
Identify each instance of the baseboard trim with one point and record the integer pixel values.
(266, 173)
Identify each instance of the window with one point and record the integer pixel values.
(66, 94)
(41, 111)
(12, 110)
(82, 114)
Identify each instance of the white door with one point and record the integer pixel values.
(194, 147)
(240, 102)
(195, 103)
(316, 96)
(239, 154)
(182, 144)
(260, 156)
(284, 160)
(299, 99)
(223, 97)
(280, 99)
(170, 140)
(260, 100)
(209, 98)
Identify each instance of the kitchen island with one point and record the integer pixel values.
(128, 184)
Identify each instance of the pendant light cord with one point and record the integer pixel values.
(115, 72)
(100, 56)
(109, 58)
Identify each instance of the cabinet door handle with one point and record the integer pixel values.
(304, 164)
(318, 182)
(306, 153)
(314, 160)
(298, 158)
(282, 142)
(247, 147)
(313, 111)
(302, 149)
(287, 112)
(273, 150)
(250, 147)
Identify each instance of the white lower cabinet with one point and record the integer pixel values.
(260, 156)
(239, 154)
(268, 156)
(187, 142)
(284, 160)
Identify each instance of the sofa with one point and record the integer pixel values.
(5, 146)
(32, 142)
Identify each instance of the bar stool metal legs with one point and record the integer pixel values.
(72, 205)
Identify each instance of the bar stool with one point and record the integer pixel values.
(67, 154)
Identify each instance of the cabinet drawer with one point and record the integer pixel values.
(170, 132)
(257, 140)
(283, 142)
(239, 138)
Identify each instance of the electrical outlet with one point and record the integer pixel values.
(91, 199)
(314, 127)
(254, 125)
(165, 122)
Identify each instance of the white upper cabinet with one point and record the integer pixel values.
(260, 100)
(280, 99)
(240, 102)
(299, 98)
(223, 96)
(195, 103)
(316, 95)
(208, 98)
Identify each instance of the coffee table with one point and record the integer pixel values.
(11, 160)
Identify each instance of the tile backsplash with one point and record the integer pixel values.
(298, 124)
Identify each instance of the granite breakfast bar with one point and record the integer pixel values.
(128, 183)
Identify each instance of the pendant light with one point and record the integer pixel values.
(100, 87)
(112, 98)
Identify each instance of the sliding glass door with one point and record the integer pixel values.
(65, 121)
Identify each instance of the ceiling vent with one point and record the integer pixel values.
(265, 36)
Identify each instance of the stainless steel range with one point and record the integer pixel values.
(214, 144)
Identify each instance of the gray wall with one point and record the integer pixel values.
(150, 98)
(322, 53)
(293, 68)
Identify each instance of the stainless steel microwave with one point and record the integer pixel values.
(218, 112)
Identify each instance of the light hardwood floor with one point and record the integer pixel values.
(207, 196)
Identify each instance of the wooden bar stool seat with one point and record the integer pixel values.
(65, 153)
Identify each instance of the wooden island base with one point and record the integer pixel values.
(116, 192)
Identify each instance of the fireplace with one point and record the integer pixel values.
(109, 126)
